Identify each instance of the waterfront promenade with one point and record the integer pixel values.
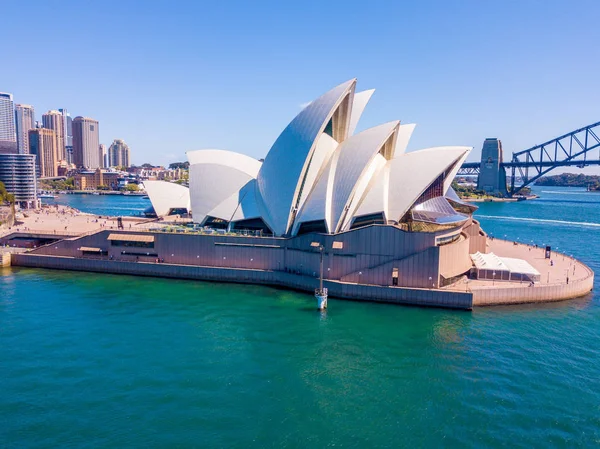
(64, 220)
(552, 286)
(561, 277)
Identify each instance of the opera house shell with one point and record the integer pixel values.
(385, 216)
(321, 176)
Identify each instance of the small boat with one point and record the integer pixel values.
(47, 195)
(95, 193)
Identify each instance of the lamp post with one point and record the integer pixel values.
(320, 293)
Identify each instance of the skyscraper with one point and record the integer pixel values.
(68, 135)
(43, 143)
(55, 121)
(103, 156)
(24, 121)
(8, 135)
(118, 154)
(86, 143)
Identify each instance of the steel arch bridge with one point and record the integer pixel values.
(571, 149)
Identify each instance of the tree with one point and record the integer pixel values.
(3, 193)
(132, 188)
(147, 165)
(176, 165)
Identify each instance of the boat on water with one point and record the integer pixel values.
(47, 195)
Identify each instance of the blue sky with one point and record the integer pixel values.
(174, 76)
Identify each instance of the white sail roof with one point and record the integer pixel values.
(326, 145)
(166, 196)
(376, 199)
(404, 134)
(319, 170)
(454, 171)
(358, 106)
(347, 177)
(282, 175)
(239, 206)
(355, 168)
(411, 174)
(215, 175)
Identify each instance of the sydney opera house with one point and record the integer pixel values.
(384, 216)
(379, 222)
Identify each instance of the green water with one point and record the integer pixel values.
(91, 360)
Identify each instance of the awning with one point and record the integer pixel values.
(520, 266)
(131, 238)
(88, 249)
(488, 261)
(496, 264)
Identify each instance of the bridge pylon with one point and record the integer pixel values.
(492, 175)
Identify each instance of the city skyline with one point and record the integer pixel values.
(53, 143)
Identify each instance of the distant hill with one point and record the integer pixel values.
(570, 180)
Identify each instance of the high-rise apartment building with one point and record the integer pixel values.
(86, 143)
(103, 156)
(8, 134)
(68, 135)
(17, 172)
(24, 121)
(118, 154)
(55, 121)
(43, 143)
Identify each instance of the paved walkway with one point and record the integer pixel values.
(553, 271)
(65, 220)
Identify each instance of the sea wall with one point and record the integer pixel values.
(367, 256)
(539, 293)
(375, 293)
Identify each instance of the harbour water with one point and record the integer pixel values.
(115, 361)
(112, 205)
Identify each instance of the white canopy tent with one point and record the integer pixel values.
(491, 266)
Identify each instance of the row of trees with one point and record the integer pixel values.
(58, 184)
(570, 180)
(175, 165)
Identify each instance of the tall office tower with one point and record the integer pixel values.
(103, 156)
(86, 143)
(55, 121)
(68, 135)
(8, 135)
(118, 154)
(43, 143)
(17, 172)
(24, 121)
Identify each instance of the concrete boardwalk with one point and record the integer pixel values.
(553, 271)
(562, 277)
(62, 220)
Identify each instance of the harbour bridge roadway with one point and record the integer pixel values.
(572, 149)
